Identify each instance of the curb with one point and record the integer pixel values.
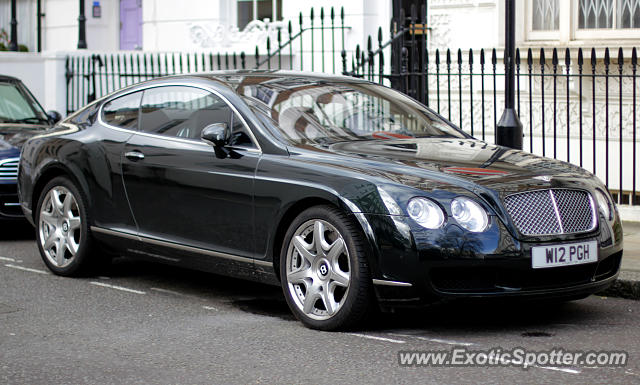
(626, 286)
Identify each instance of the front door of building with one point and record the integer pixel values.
(130, 24)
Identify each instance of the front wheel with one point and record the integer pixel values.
(62, 230)
(324, 270)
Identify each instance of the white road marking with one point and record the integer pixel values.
(377, 338)
(26, 269)
(117, 287)
(436, 340)
(7, 259)
(210, 308)
(166, 291)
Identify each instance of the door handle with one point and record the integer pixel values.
(134, 155)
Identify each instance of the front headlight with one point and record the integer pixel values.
(469, 214)
(605, 204)
(425, 212)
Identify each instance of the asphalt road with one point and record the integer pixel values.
(147, 323)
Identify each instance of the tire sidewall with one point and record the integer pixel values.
(80, 261)
(359, 279)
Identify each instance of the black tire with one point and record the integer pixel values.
(84, 261)
(357, 301)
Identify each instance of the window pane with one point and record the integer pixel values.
(123, 112)
(265, 10)
(245, 13)
(628, 13)
(546, 15)
(181, 111)
(595, 14)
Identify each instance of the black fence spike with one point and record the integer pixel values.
(567, 57)
(494, 58)
(459, 57)
(369, 43)
(607, 59)
(311, 14)
(333, 14)
(620, 59)
(529, 57)
(437, 57)
(482, 56)
(300, 20)
(518, 57)
(470, 56)
(554, 58)
(593, 57)
(448, 56)
(634, 57)
(543, 60)
(290, 29)
(580, 57)
(243, 60)
(380, 38)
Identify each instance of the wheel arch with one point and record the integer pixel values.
(301, 205)
(48, 173)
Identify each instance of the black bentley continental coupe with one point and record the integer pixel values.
(348, 194)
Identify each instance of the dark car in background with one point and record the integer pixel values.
(344, 192)
(21, 117)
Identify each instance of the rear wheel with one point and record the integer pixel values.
(324, 270)
(62, 230)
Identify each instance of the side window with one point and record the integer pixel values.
(181, 111)
(239, 135)
(123, 111)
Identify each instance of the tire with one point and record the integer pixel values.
(62, 229)
(330, 287)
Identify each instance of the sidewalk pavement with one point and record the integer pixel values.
(628, 283)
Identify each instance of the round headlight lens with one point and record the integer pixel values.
(604, 204)
(469, 214)
(425, 212)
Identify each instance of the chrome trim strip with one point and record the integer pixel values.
(180, 247)
(115, 233)
(12, 204)
(555, 209)
(191, 141)
(9, 160)
(384, 282)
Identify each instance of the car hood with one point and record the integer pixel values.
(429, 163)
(13, 136)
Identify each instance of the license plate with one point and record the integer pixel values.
(564, 255)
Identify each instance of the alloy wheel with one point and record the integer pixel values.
(318, 270)
(60, 226)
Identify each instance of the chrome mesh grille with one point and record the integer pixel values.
(9, 169)
(547, 212)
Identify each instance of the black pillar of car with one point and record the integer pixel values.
(13, 43)
(509, 130)
(82, 27)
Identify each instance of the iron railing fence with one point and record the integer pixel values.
(576, 105)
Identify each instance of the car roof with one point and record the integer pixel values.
(8, 78)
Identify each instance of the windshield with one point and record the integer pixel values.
(304, 112)
(18, 106)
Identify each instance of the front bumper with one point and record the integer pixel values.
(449, 264)
(9, 202)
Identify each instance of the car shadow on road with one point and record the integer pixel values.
(16, 231)
(454, 317)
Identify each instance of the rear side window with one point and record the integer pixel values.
(123, 111)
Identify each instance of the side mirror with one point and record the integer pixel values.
(54, 116)
(215, 134)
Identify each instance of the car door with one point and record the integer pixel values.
(182, 195)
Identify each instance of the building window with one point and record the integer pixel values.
(546, 15)
(249, 10)
(609, 14)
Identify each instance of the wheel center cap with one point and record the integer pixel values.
(323, 269)
(65, 227)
